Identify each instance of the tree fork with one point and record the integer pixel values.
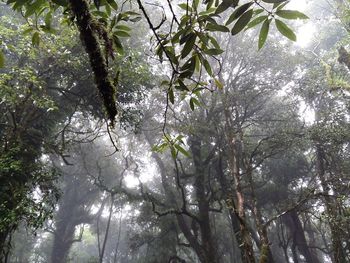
(87, 27)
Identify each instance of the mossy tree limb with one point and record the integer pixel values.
(90, 39)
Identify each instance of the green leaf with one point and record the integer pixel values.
(27, 31)
(182, 150)
(188, 68)
(256, 21)
(285, 30)
(176, 37)
(113, 4)
(185, 7)
(279, 6)
(237, 13)
(195, 101)
(223, 6)
(101, 14)
(188, 64)
(291, 14)
(120, 33)
(36, 39)
(208, 11)
(171, 54)
(173, 152)
(218, 84)
(195, 4)
(34, 8)
(171, 95)
(213, 51)
(182, 85)
(263, 33)
(192, 104)
(214, 42)
(2, 59)
(184, 38)
(136, 19)
(204, 38)
(118, 45)
(216, 27)
(207, 67)
(123, 27)
(48, 19)
(165, 83)
(242, 22)
(198, 64)
(258, 11)
(188, 47)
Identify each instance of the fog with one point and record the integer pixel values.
(245, 161)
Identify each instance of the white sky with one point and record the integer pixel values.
(307, 29)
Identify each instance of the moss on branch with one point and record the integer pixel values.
(89, 33)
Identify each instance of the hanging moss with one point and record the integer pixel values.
(89, 32)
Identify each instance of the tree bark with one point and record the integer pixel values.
(70, 214)
(265, 250)
(202, 242)
(234, 165)
(230, 203)
(207, 240)
(339, 255)
(292, 221)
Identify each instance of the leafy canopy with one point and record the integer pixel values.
(185, 40)
(189, 42)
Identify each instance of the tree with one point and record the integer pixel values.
(42, 96)
(190, 28)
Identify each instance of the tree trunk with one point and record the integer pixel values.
(107, 229)
(265, 250)
(207, 240)
(203, 242)
(339, 255)
(70, 214)
(234, 165)
(62, 242)
(292, 221)
(230, 203)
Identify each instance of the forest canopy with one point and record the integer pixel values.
(174, 131)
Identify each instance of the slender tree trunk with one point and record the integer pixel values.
(292, 221)
(4, 246)
(339, 255)
(265, 250)
(282, 239)
(234, 165)
(107, 229)
(207, 240)
(230, 203)
(63, 240)
(69, 215)
(118, 239)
